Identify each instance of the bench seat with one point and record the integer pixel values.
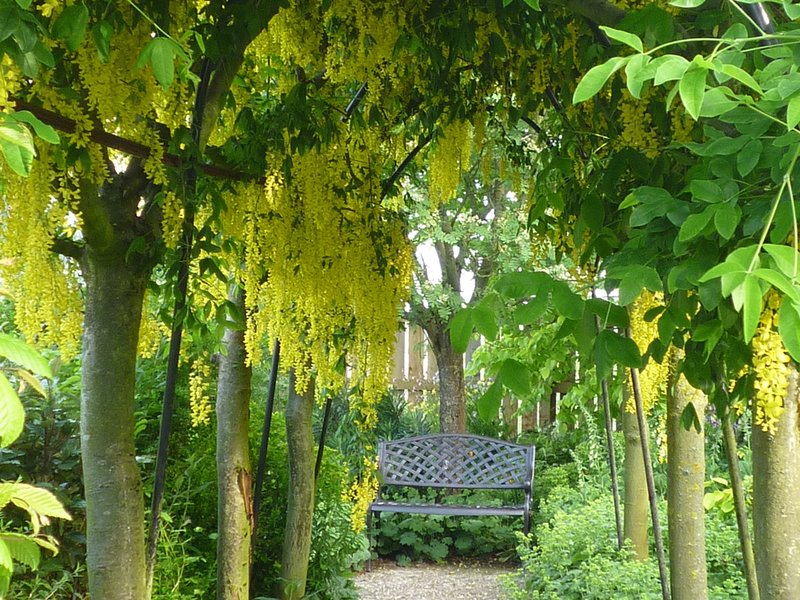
(449, 509)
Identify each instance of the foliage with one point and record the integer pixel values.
(412, 537)
(22, 545)
(336, 547)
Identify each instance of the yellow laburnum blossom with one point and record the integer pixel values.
(653, 378)
(199, 396)
(771, 366)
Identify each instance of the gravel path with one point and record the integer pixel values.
(453, 581)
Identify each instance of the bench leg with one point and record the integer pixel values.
(369, 540)
(527, 523)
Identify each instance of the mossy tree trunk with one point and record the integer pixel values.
(776, 501)
(685, 491)
(300, 504)
(635, 502)
(115, 286)
(234, 475)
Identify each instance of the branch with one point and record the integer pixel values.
(110, 140)
(67, 247)
(387, 185)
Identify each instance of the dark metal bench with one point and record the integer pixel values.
(458, 462)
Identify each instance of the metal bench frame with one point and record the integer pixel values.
(456, 462)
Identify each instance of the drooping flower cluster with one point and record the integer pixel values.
(199, 395)
(653, 377)
(771, 366)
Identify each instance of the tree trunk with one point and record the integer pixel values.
(776, 501)
(452, 398)
(300, 505)
(114, 502)
(234, 477)
(685, 491)
(636, 506)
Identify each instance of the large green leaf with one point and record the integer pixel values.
(786, 258)
(515, 376)
(488, 405)
(629, 39)
(70, 25)
(789, 327)
(162, 59)
(521, 284)
(16, 144)
(37, 500)
(567, 303)
(22, 548)
(461, 329)
(751, 307)
(612, 348)
(21, 353)
(596, 78)
(12, 414)
(485, 320)
(692, 88)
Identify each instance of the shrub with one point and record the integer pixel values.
(336, 547)
(412, 537)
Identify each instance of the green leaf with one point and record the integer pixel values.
(534, 4)
(162, 59)
(37, 500)
(709, 332)
(523, 284)
(707, 191)
(22, 548)
(485, 321)
(741, 76)
(780, 282)
(637, 71)
(488, 405)
(669, 68)
(45, 132)
(692, 88)
(6, 562)
(629, 39)
(751, 309)
(695, 224)
(70, 25)
(567, 303)
(596, 78)
(786, 258)
(726, 219)
(12, 415)
(689, 418)
(515, 376)
(16, 144)
(610, 315)
(748, 157)
(461, 329)
(101, 33)
(9, 21)
(611, 348)
(633, 278)
(22, 354)
(530, 312)
(789, 327)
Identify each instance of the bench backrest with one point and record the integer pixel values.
(456, 461)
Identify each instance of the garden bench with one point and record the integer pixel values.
(454, 462)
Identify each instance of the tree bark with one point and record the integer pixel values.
(636, 507)
(452, 397)
(114, 501)
(685, 491)
(776, 501)
(115, 285)
(300, 505)
(234, 475)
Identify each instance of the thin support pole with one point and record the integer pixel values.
(262, 451)
(749, 567)
(322, 434)
(612, 462)
(651, 486)
(187, 240)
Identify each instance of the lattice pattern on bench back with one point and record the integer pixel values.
(455, 461)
